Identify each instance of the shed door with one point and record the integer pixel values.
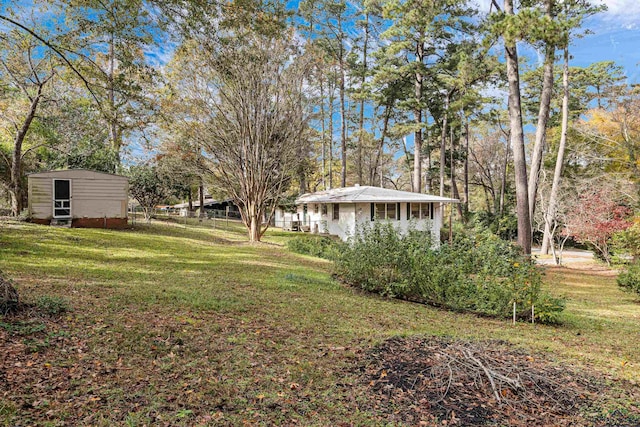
(61, 198)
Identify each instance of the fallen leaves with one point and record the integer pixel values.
(438, 381)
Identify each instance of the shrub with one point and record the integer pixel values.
(52, 305)
(481, 274)
(9, 299)
(629, 279)
(319, 246)
(628, 241)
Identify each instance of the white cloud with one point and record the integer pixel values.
(620, 14)
(628, 9)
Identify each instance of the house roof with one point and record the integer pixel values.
(367, 194)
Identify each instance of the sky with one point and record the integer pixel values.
(616, 37)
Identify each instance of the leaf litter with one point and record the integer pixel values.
(443, 381)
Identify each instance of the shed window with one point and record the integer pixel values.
(315, 208)
(324, 209)
(421, 210)
(336, 211)
(387, 211)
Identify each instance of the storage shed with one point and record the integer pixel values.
(79, 198)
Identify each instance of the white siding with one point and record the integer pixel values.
(352, 214)
(40, 197)
(93, 194)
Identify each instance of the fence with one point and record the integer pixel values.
(211, 219)
(305, 224)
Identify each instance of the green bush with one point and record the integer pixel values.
(52, 305)
(629, 279)
(319, 246)
(481, 274)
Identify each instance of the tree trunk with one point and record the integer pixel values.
(517, 141)
(547, 239)
(466, 165)
(417, 117)
(503, 178)
(324, 137)
(456, 194)
(343, 120)
(112, 119)
(385, 127)
(428, 185)
(454, 186)
(362, 83)
(331, 108)
(408, 161)
(201, 196)
(443, 144)
(16, 192)
(543, 118)
(254, 228)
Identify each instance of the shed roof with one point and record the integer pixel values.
(367, 194)
(77, 173)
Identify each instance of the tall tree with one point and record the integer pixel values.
(574, 12)
(516, 128)
(336, 45)
(25, 74)
(549, 46)
(114, 36)
(250, 114)
(419, 32)
(549, 216)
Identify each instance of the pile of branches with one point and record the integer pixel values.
(428, 381)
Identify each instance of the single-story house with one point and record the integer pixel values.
(339, 211)
(79, 198)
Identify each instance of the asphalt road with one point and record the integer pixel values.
(569, 256)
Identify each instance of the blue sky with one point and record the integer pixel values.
(616, 37)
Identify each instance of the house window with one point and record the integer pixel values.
(336, 211)
(324, 209)
(386, 211)
(315, 208)
(421, 210)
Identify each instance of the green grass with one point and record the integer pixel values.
(192, 326)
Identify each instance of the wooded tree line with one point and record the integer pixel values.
(260, 102)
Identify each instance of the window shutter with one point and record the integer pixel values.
(373, 211)
(408, 211)
(398, 211)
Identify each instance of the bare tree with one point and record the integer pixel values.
(251, 115)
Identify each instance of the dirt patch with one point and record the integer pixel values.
(440, 381)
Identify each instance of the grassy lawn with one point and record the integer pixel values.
(180, 325)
